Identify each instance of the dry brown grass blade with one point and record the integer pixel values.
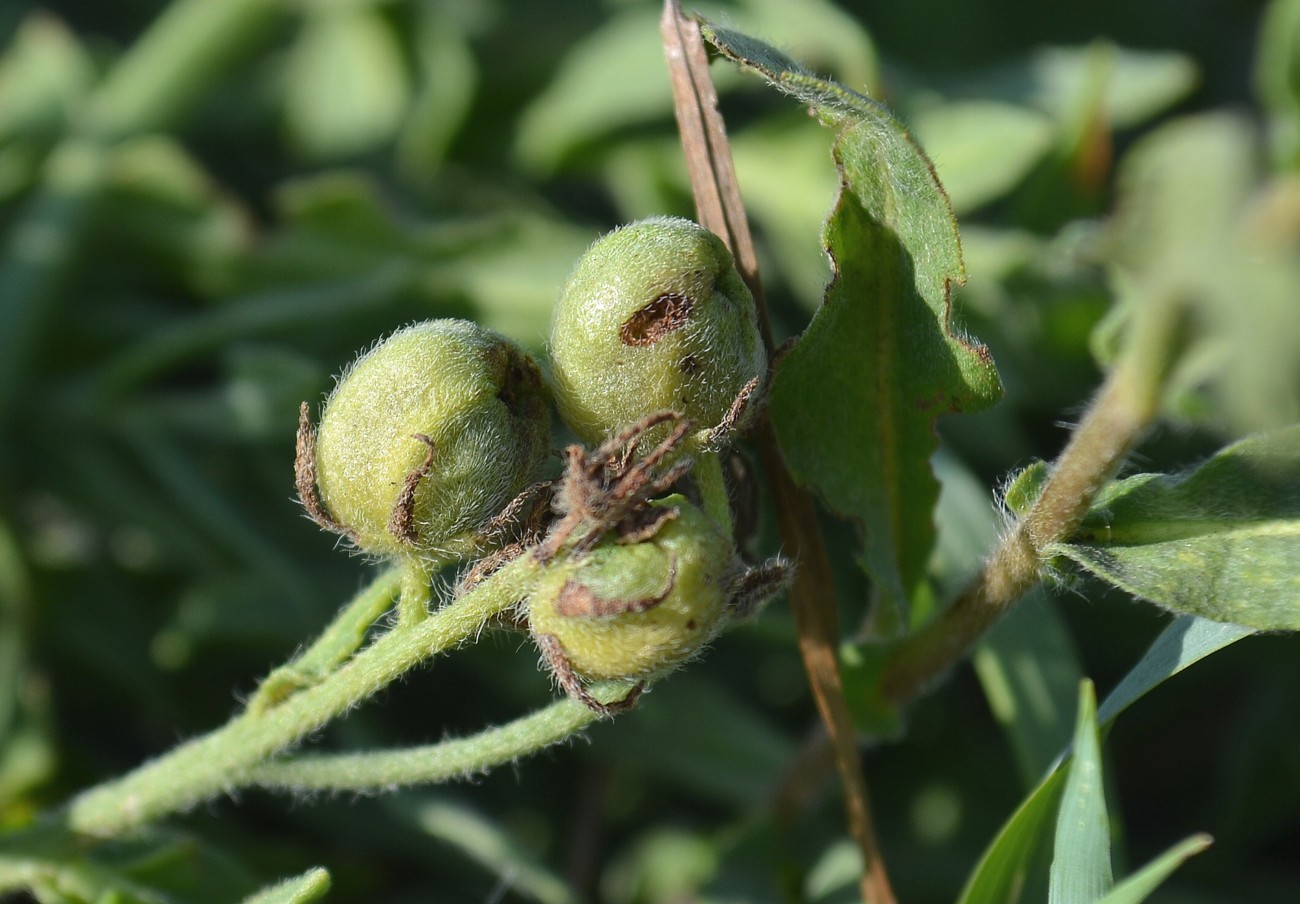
(812, 596)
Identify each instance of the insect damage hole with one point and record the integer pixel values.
(649, 324)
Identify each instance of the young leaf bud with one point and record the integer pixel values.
(426, 437)
(653, 318)
(635, 610)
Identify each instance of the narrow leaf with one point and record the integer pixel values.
(1001, 874)
(1185, 641)
(1221, 542)
(1081, 861)
(310, 886)
(483, 841)
(854, 404)
(1138, 886)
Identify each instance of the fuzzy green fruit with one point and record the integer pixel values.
(653, 318)
(637, 610)
(474, 396)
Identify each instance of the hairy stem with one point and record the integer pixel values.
(1123, 409)
(812, 595)
(336, 643)
(221, 760)
(429, 763)
(713, 489)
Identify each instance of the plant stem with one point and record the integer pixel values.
(221, 760)
(429, 763)
(713, 489)
(812, 595)
(1123, 409)
(336, 643)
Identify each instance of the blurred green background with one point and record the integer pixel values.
(197, 230)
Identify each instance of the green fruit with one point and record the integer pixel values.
(479, 402)
(637, 610)
(653, 318)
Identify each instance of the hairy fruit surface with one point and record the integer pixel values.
(637, 610)
(654, 317)
(429, 435)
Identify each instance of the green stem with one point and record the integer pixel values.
(206, 766)
(431, 763)
(1123, 409)
(337, 642)
(413, 601)
(713, 489)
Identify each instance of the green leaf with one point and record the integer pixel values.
(1197, 241)
(444, 94)
(1138, 886)
(346, 86)
(854, 403)
(310, 886)
(614, 77)
(44, 73)
(1221, 542)
(486, 843)
(1186, 641)
(1002, 872)
(1081, 861)
(1277, 79)
(1138, 84)
(982, 149)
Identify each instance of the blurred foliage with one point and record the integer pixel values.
(193, 242)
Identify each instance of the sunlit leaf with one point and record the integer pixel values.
(346, 86)
(1194, 240)
(1141, 884)
(854, 403)
(1080, 871)
(1186, 641)
(1277, 79)
(44, 72)
(1221, 542)
(1002, 873)
(486, 843)
(981, 149)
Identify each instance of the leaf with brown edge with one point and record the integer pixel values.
(855, 402)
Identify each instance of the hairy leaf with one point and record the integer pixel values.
(854, 403)
(1221, 542)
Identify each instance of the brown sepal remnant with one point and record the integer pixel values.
(644, 523)
(738, 412)
(401, 524)
(525, 517)
(304, 475)
(751, 588)
(577, 600)
(572, 685)
(609, 489)
(649, 324)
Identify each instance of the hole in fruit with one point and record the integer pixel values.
(651, 323)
